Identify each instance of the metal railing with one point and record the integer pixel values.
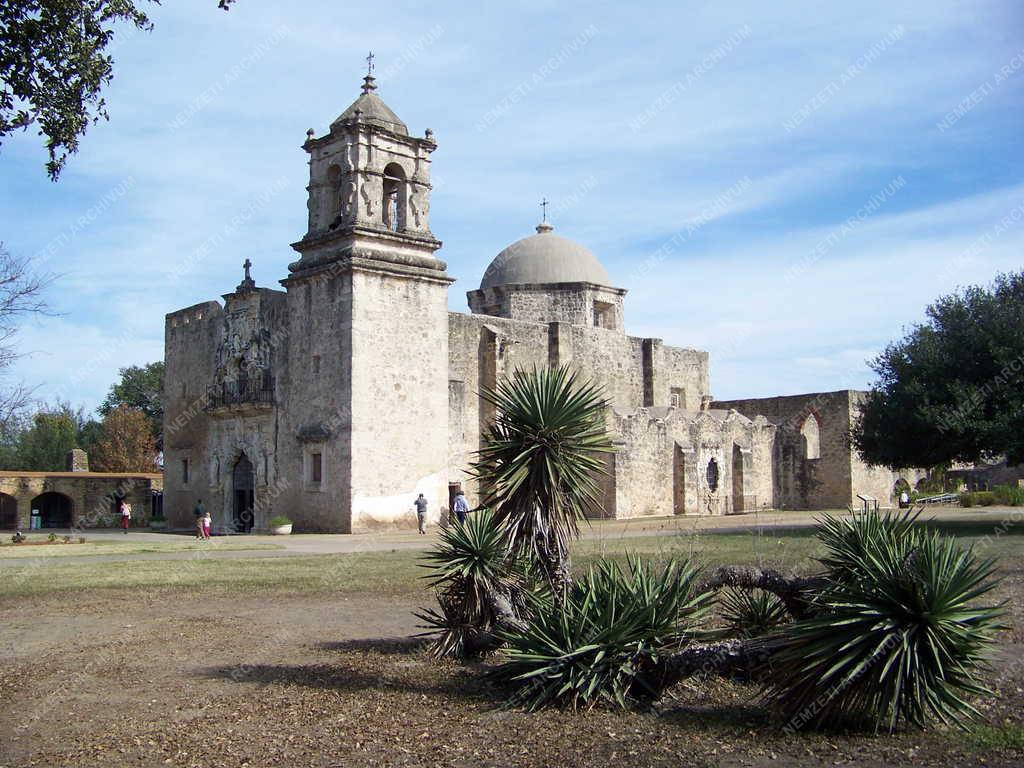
(242, 391)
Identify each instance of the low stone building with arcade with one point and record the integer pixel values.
(338, 397)
(77, 497)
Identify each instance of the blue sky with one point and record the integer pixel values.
(786, 185)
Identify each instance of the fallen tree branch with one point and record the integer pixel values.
(505, 619)
(796, 593)
(735, 659)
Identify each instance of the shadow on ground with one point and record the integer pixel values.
(417, 675)
(389, 646)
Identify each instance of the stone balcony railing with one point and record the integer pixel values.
(243, 394)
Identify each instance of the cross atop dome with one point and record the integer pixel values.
(545, 225)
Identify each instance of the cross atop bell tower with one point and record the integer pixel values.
(369, 82)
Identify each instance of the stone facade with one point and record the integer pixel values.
(338, 399)
(79, 499)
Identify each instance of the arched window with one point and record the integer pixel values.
(713, 475)
(393, 204)
(333, 214)
(810, 433)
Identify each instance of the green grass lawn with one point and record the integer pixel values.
(112, 546)
(399, 572)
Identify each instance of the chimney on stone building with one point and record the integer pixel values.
(77, 460)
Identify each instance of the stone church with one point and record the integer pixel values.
(339, 397)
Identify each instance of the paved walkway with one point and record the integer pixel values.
(330, 544)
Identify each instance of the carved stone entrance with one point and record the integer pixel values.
(244, 484)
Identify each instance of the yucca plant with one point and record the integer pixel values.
(898, 637)
(604, 640)
(540, 461)
(471, 566)
(851, 540)
(751, 612)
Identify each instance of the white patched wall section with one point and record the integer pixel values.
(339, 399)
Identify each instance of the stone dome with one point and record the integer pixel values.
(544, 258)
(372, 110)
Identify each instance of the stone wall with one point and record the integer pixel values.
(314, 414)
(191, 339)
(400, 414)
(482, 350)
(838, 475)
(583, 304)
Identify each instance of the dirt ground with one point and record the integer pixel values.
(214, 679)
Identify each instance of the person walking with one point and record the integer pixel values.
(207, 523)
(421, 512)
(126, 515)
(199, 513)
(460, 507)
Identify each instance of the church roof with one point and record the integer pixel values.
(372, 110)
(544, 258)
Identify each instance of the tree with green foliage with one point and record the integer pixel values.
(44, 445)
(40, 441)
(953, 388)
(141, 387)
(54, 65)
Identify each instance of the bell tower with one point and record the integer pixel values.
(369, 301)
(369, 188)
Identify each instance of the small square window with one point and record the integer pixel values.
(604, 315)
(316, 467)
(316, 364)
(677, 398)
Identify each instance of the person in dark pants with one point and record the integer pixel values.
(460, 507)
(199, 513)
(421, 512)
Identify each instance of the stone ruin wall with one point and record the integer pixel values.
(833, 480)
